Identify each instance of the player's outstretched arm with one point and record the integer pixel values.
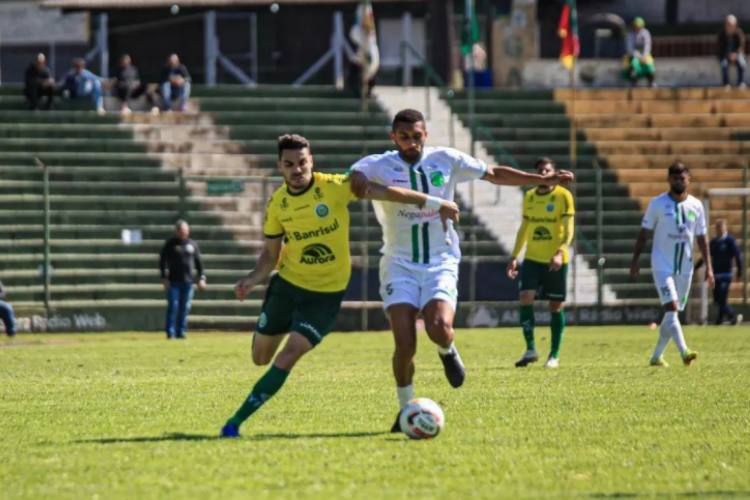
(266, 263)
(508, 176)
(706, 253)
(643, 237)
(447, 209)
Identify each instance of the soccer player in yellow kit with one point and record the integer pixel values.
(547, 230)
(309, 215)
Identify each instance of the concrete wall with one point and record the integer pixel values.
(695, 72)
(702, 11)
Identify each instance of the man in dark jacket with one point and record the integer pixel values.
(178, 256)
(39, 83)
(732, 51)
(128, 83)
(175, 83)
(724, 252)
(6, 314)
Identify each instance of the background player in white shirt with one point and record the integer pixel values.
(675, 218)
(419, 268)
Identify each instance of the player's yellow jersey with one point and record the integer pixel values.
(545, 215)
(315, 227)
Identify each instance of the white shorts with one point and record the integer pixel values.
(404, 282)
(673, 288)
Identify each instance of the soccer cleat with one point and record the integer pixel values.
(454, 368)
(689, 357)
(230, 431)
(659, 362)
(527, 358)
(397, 425)
(552, 363)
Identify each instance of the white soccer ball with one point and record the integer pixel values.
(422, 418)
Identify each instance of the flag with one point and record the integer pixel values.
(568, 31)
(364, 35)
(470, 34)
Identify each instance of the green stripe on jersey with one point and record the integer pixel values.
(425, 226)
(674, 263)
(414, 228)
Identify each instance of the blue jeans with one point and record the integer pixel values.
(179, 298)
(169, 92)
(6, 315)
(740, 63)
(721, 297)
(92, 89)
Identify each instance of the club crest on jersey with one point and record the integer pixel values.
(322, 211)
(398, 168)
(550, 208)
(691, 215)
(318, 194)
(263, 320)
(284, 204)
(436, 178)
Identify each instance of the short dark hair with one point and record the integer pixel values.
(407, 116)
(179, 223)
(678, 168)
(292, 142)
(544, 160)
(79, 61)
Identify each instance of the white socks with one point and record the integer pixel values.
(446, 350)
(405, 394)
(665, 335)
(671, 324)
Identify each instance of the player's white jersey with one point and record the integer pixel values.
(675, 227)
(413, 233)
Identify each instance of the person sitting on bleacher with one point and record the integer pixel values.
(81, 83)
(128, 83)
(175, 84)
(732, 51)
(39, 83)
(638, 61)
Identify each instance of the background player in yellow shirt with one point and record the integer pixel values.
(309, 214)
(547, 230)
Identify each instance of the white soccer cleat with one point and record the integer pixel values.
(552, 363)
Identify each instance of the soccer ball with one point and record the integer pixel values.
(422, 418)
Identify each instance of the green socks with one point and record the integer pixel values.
(527, 324)
(268, 385)
(557, 325)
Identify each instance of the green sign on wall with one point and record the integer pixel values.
(220, 186)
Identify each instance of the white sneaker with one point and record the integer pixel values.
(742, 86)
(126, 111)
(738, 319)
(155, 111)
(101, 111)
(552, 363)
(727, 87)
(527, 358)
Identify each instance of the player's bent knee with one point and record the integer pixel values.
(406, 349)
(261, 358)
(555, 306)
(439, 329)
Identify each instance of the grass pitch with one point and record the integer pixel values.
(135, 416)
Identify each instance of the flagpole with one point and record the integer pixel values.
(574, 168)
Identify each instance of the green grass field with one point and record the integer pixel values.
(134, 416)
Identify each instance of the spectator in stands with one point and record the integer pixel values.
(178, 256)
(6, 314)
(732, 51)
(39, 83)
(128, 83)
(81, 83)
(638, 61)
(175, 83)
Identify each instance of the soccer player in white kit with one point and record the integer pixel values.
(676, 219)
(419, 267)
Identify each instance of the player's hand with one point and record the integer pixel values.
(710, 278)
(556, 263)
(559, 177)
(359, 183)
(243, 287)
(513, 269)
(448, 211)
(165, 284)
(635, 270)
(202, 284)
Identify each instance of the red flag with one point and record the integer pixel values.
(568, 31)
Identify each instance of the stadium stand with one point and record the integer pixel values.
(633, 135)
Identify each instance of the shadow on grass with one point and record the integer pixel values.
(177, 436)
(685, 494)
